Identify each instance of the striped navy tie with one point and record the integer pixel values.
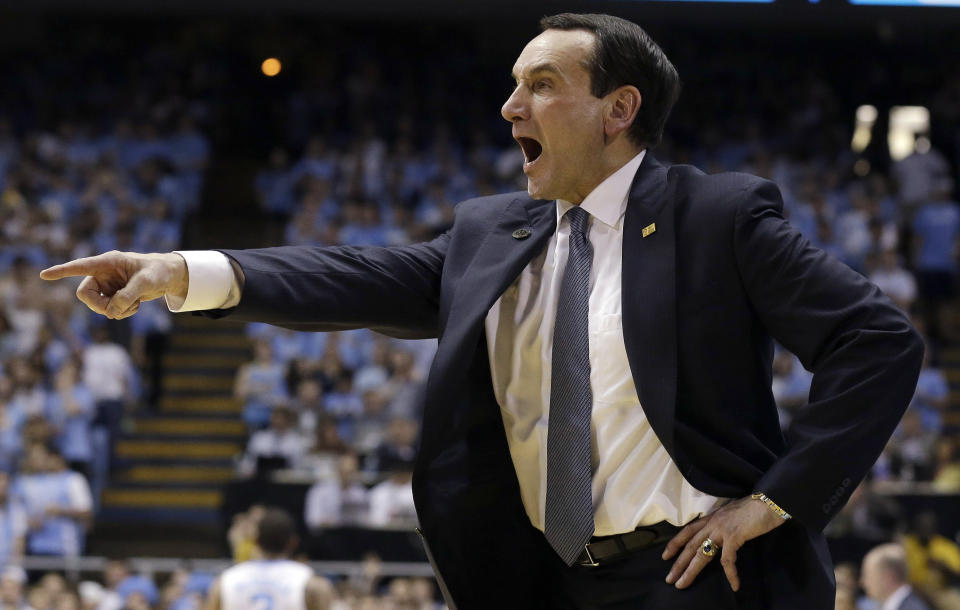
(569, 511)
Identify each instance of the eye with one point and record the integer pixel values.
(541, 85)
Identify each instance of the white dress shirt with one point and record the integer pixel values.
(635, 482)
(896, 598)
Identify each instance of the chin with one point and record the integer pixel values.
(538, 191)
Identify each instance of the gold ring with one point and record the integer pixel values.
(709, 547)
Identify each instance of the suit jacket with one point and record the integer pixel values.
(703, 293)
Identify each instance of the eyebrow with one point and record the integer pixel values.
(547, 66)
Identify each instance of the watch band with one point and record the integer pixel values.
(758, 495)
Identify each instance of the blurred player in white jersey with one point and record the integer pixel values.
(273, 582)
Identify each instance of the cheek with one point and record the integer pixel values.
(572, 130)
(584, 127)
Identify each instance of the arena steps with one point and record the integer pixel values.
(174, 462)
(200, 404)
(210, 341)
(210, 382)
(191, 426)
(176, 449)
(190, 361)
(156, 498)
(191, 473)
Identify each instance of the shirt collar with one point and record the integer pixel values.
(894, 601)
(608, 200)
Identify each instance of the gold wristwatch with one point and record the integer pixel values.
(773, 505)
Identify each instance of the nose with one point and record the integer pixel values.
(515, 108)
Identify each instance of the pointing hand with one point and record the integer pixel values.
(117, 282)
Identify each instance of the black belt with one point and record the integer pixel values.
(604, 549)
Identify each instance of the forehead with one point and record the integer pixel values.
(564, 50)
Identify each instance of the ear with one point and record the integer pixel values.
(622, 107)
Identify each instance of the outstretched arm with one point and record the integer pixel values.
(393, 290)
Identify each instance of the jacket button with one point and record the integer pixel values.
(521, 233)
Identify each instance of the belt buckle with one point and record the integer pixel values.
(591, 562)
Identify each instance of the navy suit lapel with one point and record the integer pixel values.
(520, 233)
(648, 293)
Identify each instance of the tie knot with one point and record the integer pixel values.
(578, 220)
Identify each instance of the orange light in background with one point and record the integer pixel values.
(271, 66)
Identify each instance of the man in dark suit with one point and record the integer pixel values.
(599, 429)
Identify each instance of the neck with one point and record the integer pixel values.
(611, 160)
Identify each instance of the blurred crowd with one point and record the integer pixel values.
(75, 183)
(342, 409)
(119, 587)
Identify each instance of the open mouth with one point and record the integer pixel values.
(531, 150)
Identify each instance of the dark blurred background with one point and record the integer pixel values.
(136, 456)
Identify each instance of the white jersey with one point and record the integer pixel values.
(276, 584)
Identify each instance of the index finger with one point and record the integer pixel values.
(79, 267)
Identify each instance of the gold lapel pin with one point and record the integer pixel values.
(650, 228)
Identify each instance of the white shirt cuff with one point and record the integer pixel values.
(210, 278)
